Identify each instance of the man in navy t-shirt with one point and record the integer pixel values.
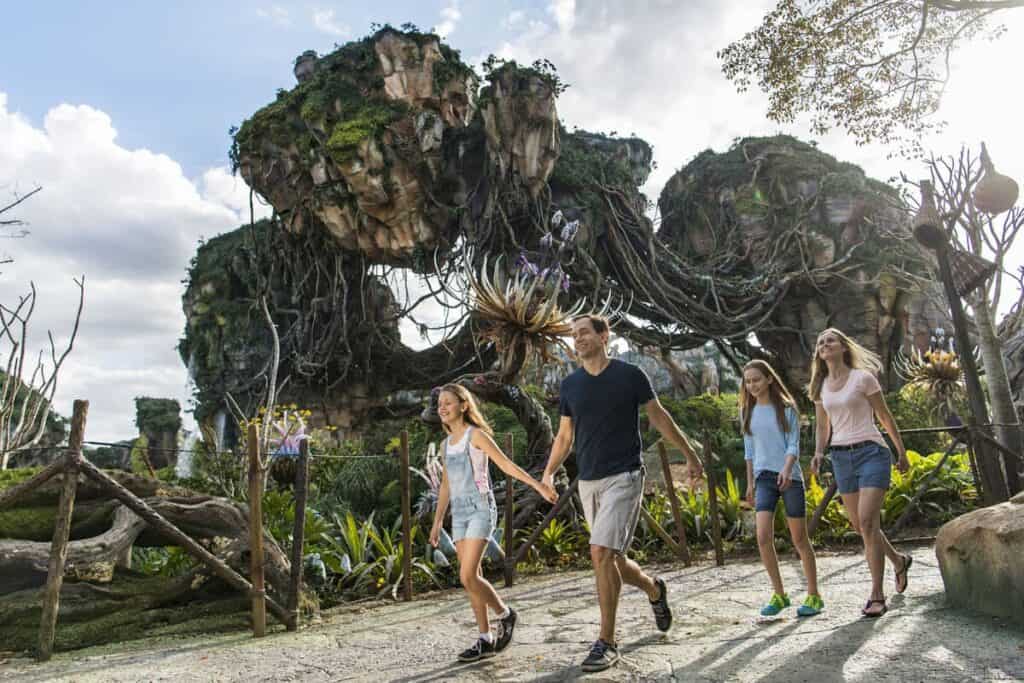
(600, 414)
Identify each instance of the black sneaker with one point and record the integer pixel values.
(505, 628)
(481, 650)
(662, 612)
(602, 655)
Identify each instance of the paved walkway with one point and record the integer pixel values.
(717, 637)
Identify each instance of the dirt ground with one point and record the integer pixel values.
(717, 636)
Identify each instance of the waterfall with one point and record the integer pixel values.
(183, 468)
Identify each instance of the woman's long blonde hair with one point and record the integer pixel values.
(854, 355)
(471, 414)
(780, 396)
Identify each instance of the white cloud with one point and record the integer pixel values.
(275, 13)
(129, 220)
(450, 16)
(514, 19)
(324, 21)
(564, 12)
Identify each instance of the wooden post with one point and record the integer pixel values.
(298, 534)
(716, 524)
(552, 513)
(156, 521)
(259, 592)
(406, 518)
(510, 511)
(819, 511)
(677, 514)
(59, 547)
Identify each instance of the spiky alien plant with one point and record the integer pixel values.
(936, 371)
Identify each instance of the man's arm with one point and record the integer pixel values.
(667, 427)
(559, 450)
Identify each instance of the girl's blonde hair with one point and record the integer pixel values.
(471, 414)
(780, 396)
(854, 355)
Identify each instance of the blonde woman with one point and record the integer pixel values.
(466, 485)
(847, 399)
(771, 446)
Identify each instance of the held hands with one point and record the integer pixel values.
(548, 480)
(546, 490)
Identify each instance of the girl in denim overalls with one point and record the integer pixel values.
(467, 486)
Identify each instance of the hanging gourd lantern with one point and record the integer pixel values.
(927, 224)
(995, 192)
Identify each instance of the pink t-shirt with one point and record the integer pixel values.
(849, 412)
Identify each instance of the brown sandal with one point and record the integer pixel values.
(874, 615)
(907, 561)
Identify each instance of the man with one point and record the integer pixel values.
(600, 412)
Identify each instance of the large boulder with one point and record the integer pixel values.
(980, 557)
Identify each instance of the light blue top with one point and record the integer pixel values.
(767, 445)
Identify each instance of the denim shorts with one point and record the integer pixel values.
(868, 466)
(767, 494)
(473, 516)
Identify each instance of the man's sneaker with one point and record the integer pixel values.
(775, 605)
(662, 612)
(505, 628)
(811, 607)
(481, 650)
(602, 655)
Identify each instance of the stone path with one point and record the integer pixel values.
(716, 637)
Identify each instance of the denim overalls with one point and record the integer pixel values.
(474, 513)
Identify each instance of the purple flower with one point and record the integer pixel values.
(557, 219)
(479, 379)
(569, 230)
(547, 240)
(525, 265)
(565, 282)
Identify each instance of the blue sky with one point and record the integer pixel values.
(176, 76)
(121, 111)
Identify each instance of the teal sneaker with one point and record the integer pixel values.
(812, 606)
(775, 605)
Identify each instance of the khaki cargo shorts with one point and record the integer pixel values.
(612, 508)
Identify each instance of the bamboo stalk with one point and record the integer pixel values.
(259, 592)
(298, 533)
(510, 509)
(716, 523)
(660, 531)
(682, 550)
(819, 511)
(406, 517)
(61, 532)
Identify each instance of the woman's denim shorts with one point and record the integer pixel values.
(867, 465)
(473, 516)
(767, 494)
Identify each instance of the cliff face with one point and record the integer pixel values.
(778, 205)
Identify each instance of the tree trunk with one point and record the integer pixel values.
(1000, 396)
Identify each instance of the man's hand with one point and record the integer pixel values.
(547, 492)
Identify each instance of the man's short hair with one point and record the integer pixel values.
(598, 322)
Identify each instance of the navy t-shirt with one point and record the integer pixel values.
(605, 412)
